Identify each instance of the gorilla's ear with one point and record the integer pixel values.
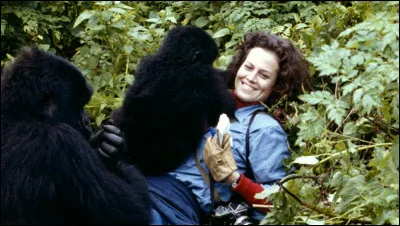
(197, 56)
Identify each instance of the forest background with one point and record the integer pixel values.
(344, 134)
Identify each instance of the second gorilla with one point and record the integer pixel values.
(176, 94)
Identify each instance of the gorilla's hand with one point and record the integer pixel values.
(107, 141)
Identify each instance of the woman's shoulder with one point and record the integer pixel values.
(262, 120)
(265, 121)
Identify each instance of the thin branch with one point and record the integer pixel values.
(383, 129)
(354, 138)
(291, 177)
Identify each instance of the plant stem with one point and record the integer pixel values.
(354, 138)
(358, 149)
(349, 211)
(344, 120)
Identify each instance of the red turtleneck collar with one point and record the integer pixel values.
(240, 103)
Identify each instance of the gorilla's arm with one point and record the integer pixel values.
(111, 199)
(69, 184)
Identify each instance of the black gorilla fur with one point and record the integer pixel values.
(176, 93)
(49, 172)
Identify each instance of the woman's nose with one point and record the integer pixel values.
(252, 76)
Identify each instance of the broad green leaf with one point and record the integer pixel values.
(123, 6)
(340, 146)
(106, 15)
(386, 217)
(268, 191)
(306, 160)
(349, 128)
(129, 78)
(221, 33)
(201, 21)
(128, 48)
(119, 24)
(317, 97)
(368, 102)
(95, 49)
(300, 26)
(83, 16)
(118, 10)
(3, 26)
(357, 95)
(337, 111)
(103, 3)
(309, 193)
(172, 19)
(230, 44)
(98, 28)
(309, 221)
(44, 46)
(154, 20)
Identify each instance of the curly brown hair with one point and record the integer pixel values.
(293, 69)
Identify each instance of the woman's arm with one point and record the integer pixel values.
(268, 147)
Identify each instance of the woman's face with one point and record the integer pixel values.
(256, 77)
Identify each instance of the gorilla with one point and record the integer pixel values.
(176, 94)
(50, 174)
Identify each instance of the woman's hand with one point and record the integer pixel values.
(219, 159)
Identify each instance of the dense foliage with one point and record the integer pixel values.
(344, 134)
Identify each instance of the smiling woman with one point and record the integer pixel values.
(265, 68)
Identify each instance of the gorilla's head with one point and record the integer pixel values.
(43, 86)
(195, 45)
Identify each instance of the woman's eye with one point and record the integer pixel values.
(247, 67)
(264, 76)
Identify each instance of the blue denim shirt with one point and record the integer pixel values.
(268, 146)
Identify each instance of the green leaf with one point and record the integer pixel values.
(45, 47)
(221, 33)
(357, 95)
(3, 26)
(120, 24)
(300, 26)
(309, 221)
(123, 6)
(368, 102)
(337, 180)
(316, 97)
(349, 128)
(106, 15)
(83, 16)
(387, 216)
(128, 48)
(201, 21)
(337, 111)
(118, 10)
(267, 192)
(306, 160)
(129, 78)
(172, 19)
(230, 44)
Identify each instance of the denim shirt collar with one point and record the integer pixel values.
(242, 113)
